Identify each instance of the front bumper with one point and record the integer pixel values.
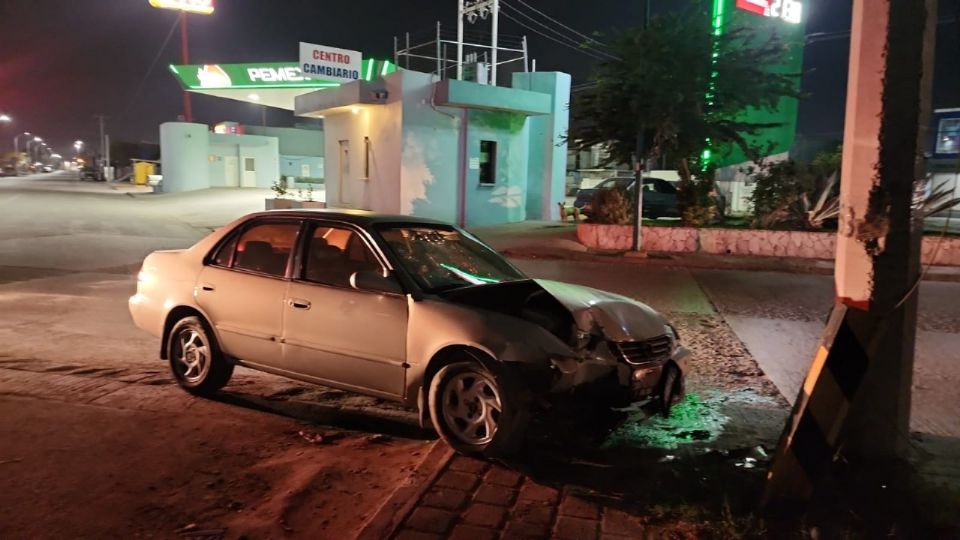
(618, 383)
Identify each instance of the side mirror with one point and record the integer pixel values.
(375, 281)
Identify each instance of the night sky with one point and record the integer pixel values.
(63, 61)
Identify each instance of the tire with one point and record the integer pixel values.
(470, 423)
(671, 389)
(196, 361)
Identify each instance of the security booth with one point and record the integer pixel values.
(454, 150)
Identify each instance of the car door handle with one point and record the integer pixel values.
(207, 287)
(297, 303)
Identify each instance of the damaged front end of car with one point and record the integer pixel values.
(618, 351)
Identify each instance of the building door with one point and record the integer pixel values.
(249, 172)
(344, 176)
(231, 173)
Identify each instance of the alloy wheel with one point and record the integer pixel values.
(192, 355)
(471, 407)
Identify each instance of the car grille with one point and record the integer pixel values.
(651, 351)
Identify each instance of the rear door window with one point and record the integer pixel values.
(265, 248)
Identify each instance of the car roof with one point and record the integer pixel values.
(358, 217)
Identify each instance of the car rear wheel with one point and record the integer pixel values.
(196, 361)
(474, 412)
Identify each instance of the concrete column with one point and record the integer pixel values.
(547, 163)
(878, 249)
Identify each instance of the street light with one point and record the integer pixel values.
(16, 141)
(5, 118)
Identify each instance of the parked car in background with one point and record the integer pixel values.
(406, 309)
(88, 172)
(659, 196)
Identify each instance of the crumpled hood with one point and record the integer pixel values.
(616, 317)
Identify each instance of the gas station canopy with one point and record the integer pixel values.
(274, 84)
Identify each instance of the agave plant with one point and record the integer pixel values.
(827, 207)
(928, 201)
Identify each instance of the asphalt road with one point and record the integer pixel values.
(69, 251)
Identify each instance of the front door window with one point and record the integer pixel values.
(334, 254)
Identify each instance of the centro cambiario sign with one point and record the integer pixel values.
(790, 11)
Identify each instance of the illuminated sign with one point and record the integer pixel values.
(330, 63)
(203, 7)
(267, 75)
(790, 11)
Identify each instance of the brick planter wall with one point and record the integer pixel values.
(808, 245)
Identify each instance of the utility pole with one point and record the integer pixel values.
(494, 43)
(878, 251)
(460, 40)
(641, 161)
(185, 58)
(102, 142)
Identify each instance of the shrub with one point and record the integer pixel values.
(697, 202)
(611, 207)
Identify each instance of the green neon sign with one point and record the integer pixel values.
(263, 75)
(727, 14)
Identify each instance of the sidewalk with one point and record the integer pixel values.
(557, 240)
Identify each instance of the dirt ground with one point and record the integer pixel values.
(145, 460)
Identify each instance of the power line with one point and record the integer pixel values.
(562, 35)
(153, 64)
(593, 53)
(549, 18)
(818, 37)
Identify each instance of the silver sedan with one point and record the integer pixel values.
(406, 309)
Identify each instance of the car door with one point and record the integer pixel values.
(334, 333)
(243, 287)
(666, 194)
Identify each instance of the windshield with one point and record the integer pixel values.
(619, 183)
(441, 258)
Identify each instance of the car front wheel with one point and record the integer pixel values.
(473, 412)
(196, 361)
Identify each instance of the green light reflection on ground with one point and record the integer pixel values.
(692, 420)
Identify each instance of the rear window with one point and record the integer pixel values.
(264, 248)
(619, 183)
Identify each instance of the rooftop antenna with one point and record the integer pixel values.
(500, 49)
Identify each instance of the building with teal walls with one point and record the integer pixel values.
(193, 157)
(453, 150)
(301, 150)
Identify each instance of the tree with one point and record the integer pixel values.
(687, 87)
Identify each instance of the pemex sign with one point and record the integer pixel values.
(266, 75)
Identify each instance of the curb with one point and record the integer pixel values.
(395, 509)
(715, 262)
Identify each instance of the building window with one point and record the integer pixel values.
(948, 136)
(249, 164)
(488, 163)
